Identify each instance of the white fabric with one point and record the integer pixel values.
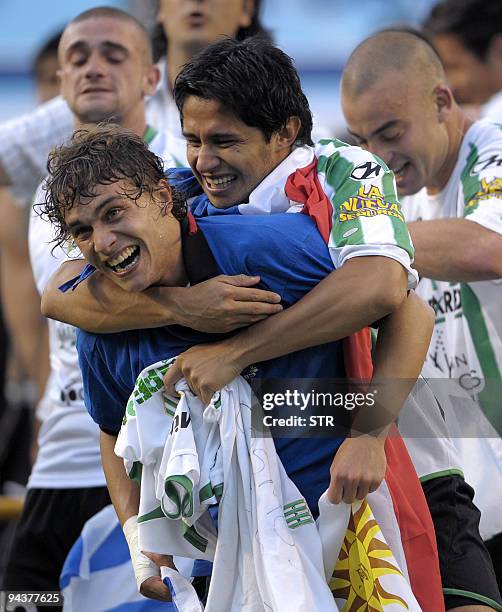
(68, 455)
(492, 109)
(268, 554)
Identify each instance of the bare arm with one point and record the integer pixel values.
(456, 250)
(98, 305)
(124, 494)
(362, 291)
(20, 298)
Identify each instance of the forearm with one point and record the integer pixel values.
(356, 295)
(124, 492)
(98, 305)
(456, 250)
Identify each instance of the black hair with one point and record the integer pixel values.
(48, 49)
(253, 79)
(475, 22)
(160, 42)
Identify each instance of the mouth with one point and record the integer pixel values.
(124, 261)
(196, 19)
(93, 90)
(219, 183)
(400, 171)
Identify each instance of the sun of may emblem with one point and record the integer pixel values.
(361, 564)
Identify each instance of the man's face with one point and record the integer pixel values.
(136, 244)
(394, 121)
(194, 24)
(470, 79)
(228, 157)
(105, 70)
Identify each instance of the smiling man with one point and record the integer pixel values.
(454, 167)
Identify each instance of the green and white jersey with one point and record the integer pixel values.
(350, 193)
(467, 339)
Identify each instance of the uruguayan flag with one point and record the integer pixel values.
(98, 574)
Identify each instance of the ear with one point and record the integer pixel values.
(165, 196)
(151, 80)
(247, 13)
(285, 138)
(444, 101)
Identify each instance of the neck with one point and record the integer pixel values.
(456, 128)
(134, 120)
(177, 57)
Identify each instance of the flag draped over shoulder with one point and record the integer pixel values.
(410, 507)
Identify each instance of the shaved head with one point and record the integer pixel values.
(404, 53)
(398, 106)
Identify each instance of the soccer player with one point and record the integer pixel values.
(398, 106)
(468, 37)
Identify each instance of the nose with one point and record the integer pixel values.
(104, 240)
(95, 66)
(207, 159)
(377, 148)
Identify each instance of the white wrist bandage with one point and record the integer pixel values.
(143, 566)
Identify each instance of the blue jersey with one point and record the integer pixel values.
(290, 256)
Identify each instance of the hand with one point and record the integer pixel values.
(153, 587)
(206, 368)
(225, 303)
(357, 469)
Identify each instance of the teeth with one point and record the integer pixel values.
(220, 181)
(120, 258)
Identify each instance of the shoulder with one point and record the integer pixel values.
(340, 162)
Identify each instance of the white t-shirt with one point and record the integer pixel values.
(467, 338)
(68, 455)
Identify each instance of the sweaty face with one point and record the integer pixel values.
(228, 157)
(194, 24)
(105, 72)
(470, 79)
(401, 126)
(134, 244)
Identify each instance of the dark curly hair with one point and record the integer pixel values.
(100, 155)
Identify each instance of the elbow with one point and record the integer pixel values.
(47, 305)
(391, 292)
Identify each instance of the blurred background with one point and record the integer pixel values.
(318, 34)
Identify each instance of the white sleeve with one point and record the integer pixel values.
(25, 143)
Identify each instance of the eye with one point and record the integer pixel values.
(78, 60)
(391, 136)
(113, 213)
(81, 233)
(115, 58)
